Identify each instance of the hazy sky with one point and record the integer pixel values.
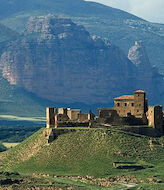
(151, 10)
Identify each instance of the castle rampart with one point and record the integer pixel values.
(129, 110)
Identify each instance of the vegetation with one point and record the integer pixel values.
(2, 147)
(89, 152)
(17, 133)
(19, 102)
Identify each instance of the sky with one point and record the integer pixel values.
(151, 10)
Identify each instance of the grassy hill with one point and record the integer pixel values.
(17, 101)
(87, 152)
(120, 27)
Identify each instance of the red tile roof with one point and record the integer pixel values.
(125, 97)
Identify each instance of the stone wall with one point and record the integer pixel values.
(72, 124)
(155, 117)
(124, 106)
(50, 117)
(140, 106)
(73, 114)
(106, 112)
(83, 117)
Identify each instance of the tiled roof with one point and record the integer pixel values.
(125, 97)
(140, 91)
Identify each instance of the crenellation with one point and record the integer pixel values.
(129, 110)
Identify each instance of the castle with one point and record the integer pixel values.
(127, 110)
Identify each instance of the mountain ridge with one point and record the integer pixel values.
(59, 60)
(120, 27)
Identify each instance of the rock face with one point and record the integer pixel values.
(138, 55)
(59, 60)
(148, 77)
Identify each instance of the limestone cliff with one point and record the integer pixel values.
(59, 60)
(148, 77)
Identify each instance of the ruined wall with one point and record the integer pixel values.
(105, 112)
(83, 117)
(62, 117)
(155, 117)
(62, 111)
(73, 114)
(50, 117)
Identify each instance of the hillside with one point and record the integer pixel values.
(6, 34)
(17, 101)
(2, 148)
(92, 152)
(84, 159)
(120, 27)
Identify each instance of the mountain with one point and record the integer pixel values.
(17, 101)
(12, 7)
(6, 34)
(120, 27)
(148, 76)
(60, 61)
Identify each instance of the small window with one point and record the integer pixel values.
(138, 95)
(125, 104)
(132, 104)
(137, 110)
(118, 104)
(139, 105)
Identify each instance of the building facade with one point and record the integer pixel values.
(135, 105)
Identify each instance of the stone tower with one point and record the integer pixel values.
(140, 104)
(50, 117)
(155, 117)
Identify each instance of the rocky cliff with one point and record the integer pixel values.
(148, 77)
(59, 60)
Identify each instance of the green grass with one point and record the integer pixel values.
(17, 103)
(92, 152)
(88, 152)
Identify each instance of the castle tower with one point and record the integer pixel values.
(155, 117)
(140, 103)
(50, 117)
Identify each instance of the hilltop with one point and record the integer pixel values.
(92, 152)
(89, 153)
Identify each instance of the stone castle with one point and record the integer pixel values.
(128, 110)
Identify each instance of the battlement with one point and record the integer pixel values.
(129, 110)
(67, 117)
